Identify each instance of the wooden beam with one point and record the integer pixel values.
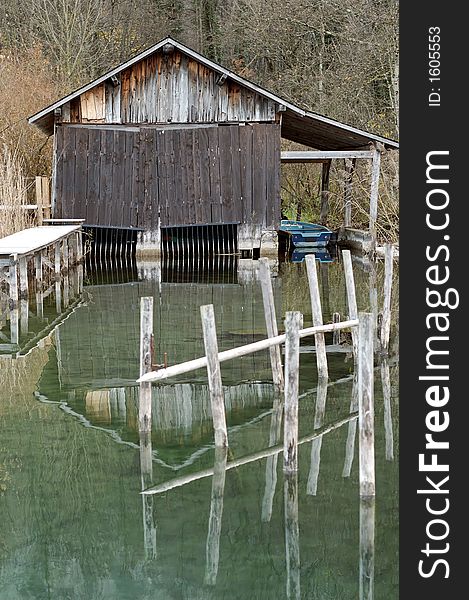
(199, 363)
(366, 406)
(322, 155)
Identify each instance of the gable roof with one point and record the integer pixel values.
(298, 125)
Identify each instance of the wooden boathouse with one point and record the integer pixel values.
(171, 140)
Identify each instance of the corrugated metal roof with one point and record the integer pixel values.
(298, 125)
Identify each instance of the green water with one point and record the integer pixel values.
(73, 522)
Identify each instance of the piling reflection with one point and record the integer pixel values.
(352, 430)
(146, 469)
(212, 549)
(321, 396)
(36, 314)
(388, 428)
(367, 548)
(292, 535)
(271, 462)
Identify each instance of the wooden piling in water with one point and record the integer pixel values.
(349, 171)
(214, 375)
(146, 332)
(386, 320)
(271, 322)
(366, 407)
(293, 323)
(351, 298)
(321, 356)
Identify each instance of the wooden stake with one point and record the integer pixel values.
(293, 323)
(212, 548)
(351, 297)
(386, 321)
(292, 536)
(375, 167)
(367, 548)
(321, 355)
(146, 332)
(366, 408)
(39, 201)
(14, 325)
(271, 322)
(214, 375)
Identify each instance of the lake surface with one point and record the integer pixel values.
(73, 521)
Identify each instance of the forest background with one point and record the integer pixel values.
(337, 58)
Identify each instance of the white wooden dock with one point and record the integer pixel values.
(57, 248)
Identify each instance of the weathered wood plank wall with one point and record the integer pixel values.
(168, 88)
(136, 176)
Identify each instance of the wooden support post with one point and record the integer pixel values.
(13, 281)
(271, 462)
(351, 298)
(146, 332)
(316, 444)
(14, 325)
(271, 322)
(375, 168)
(38, 269)
(352, 430)
(39, 201)
(366, 407)
(386, 321)
(66, 282)
(336, 333)
(57, 260)
(23, 273)
(326, 167)
(349, 171)
(212, 548)
(146, 469)
(58, 296)
(79, 236)
(293, 323)
(214, 375)
(388, 429)
(367, 548)
(321, 355)
(292, 536)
